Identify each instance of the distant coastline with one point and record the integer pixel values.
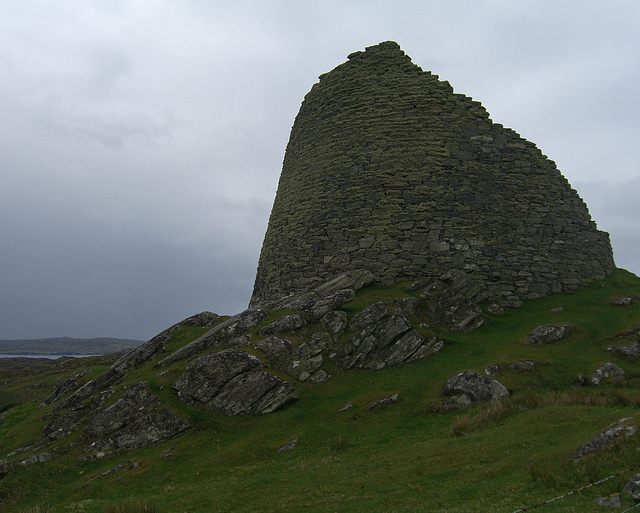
(53, 348)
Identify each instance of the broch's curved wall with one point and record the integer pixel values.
(387, 169)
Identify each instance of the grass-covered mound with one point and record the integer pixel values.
(404, 456)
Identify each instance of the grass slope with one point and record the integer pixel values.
(401, 457)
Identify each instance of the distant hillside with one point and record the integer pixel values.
(66, 345)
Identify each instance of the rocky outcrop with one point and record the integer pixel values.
(549, 333)
(283, 324)
(633, 487)
(145, 352)
(219, 336)
(383, 339)
(134, 421)
(630, 351)
(302, 362)
(608, 373)
(617, 431)
(453, 310)
(475, 387)
(232, 382)
(65, 388)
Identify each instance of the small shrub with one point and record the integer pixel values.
(39, 509)
(339, 443)
(460, 426)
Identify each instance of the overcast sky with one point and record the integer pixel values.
(141, 141)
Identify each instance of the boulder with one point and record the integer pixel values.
(219, 335)
(633, 487)
(475, 386)
(335, 322)
(622, 301)
(324, 304)
(231, 382)
(283, 324)
(523, 365)
(373, 313)
(617, 430)
(549, 333)
(609, 372)
(630, 351)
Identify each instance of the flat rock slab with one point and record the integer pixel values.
(232, 382)
(549, 333)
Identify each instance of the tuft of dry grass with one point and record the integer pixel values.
(132, 508)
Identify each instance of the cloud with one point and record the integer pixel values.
(141, 142)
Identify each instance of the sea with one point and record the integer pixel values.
(47, 356)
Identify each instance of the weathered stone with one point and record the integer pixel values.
(373, 313)
(141, 431)
(350, 280)
(409, 305)
(231, 382)
(137, 399)
(283, 324)
(387, 400)
(219, 335)
(523, 365)
(475, 386)
(289, 446)
(455, 311)
(495, 309)
(630, 351)
(205, 377)
(335, 322)
(65, 388)
(301, 362)
(142, 354)
(549, 333)
(457, 402)
(38, 458)
(321, 306)
(387, 169)
(612, 501)
(608, 373)
(5, 466)
(77, 400)
(633, 487)
(618, 430)
(622, 301)
(492, 370)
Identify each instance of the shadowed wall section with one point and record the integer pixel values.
(387, 169)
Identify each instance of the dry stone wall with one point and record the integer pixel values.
(388, 170)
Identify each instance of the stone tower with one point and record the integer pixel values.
(388, 170)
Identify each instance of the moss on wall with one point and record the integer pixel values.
(387, 169)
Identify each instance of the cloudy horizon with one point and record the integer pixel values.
(141, 142)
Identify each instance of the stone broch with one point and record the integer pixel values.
(388, 170)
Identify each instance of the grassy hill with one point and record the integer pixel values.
(405, 456)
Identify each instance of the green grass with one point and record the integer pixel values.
(401, 457)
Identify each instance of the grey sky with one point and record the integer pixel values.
(141, 141)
